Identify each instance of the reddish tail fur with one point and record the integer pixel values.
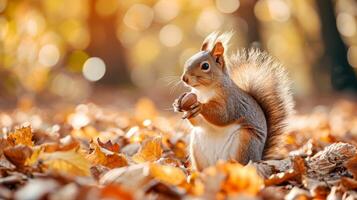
(267, 82)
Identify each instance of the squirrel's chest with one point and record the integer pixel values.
(210, 144)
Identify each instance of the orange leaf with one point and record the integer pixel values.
(168, 174)
(18, 155)
(109, 145)
(21, 135)
(107, 158)
(150, 151)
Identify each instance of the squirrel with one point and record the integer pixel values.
(243, 103)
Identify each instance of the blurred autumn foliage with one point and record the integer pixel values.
(64, 48)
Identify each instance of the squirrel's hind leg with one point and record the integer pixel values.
(248, 147)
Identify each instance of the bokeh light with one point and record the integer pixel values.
(208, 21)
(48, 55)
(139, 17)
(170, 35)
(166, 10)
(227, 6)
(352, 56)
(94, 69)
(346, 24)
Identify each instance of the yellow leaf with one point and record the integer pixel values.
(22, 136)
(168, 174)
(107, 158)
(71, 162)
(150, 151)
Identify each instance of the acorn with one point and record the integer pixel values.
(187, 101)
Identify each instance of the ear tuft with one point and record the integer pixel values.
(211, 41)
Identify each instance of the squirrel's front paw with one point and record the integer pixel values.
(195, 109)
(177, 103)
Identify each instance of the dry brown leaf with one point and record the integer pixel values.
(351, 165)
(349, 183)
(18, 155)
(71, 162)
(107, 158)
(297, 170)
(330, 158)
(109, 145)
(150, 151)
(167, 174)
(22, 135)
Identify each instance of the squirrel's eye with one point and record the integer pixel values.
(204, 66)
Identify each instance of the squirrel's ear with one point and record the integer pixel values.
(217, 53)
(217, 50)
(204, 46)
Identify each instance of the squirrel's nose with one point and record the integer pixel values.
(185, 78)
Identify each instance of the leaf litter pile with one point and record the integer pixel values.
(92, 152)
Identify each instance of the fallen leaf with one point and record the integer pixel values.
(71, 162)
(109, 145)
(349, 183)
(18, 155)
(36, 189)
(107, 158)
(150, 151)
(241, 179)
(297, 170)
(115, 192)
(133, 176)
(351, 165)
(162, 191)
(167, 174)
(22, 135)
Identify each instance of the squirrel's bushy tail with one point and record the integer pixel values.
(267, 82)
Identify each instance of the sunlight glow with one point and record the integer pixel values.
(48, 55)
(227, 6)
(170, 35)
(94, 69)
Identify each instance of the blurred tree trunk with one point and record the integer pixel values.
(104, 44)
(246, 11)
(342, 75)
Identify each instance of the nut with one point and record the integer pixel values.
(187, 101)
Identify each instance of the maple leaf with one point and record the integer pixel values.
(109, 145)
(71, 162)
(107, 158)
(166, 173)
(150, 151)
(22, 135)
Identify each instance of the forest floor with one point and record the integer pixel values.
(138, 150)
